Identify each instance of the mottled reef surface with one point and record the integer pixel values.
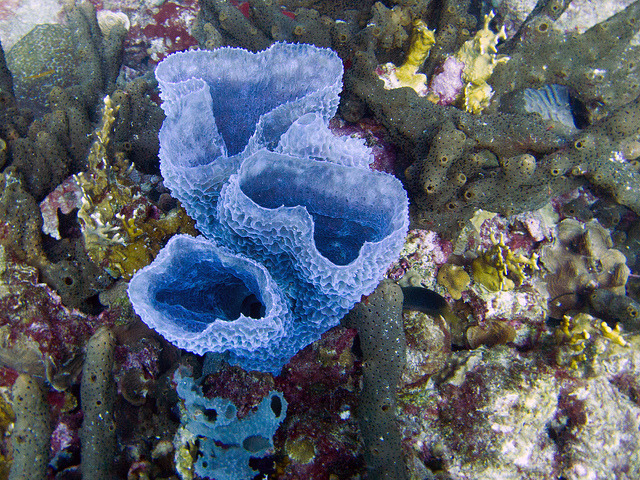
(503, 342)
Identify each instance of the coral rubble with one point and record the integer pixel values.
(496, 413)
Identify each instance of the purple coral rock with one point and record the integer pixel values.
(447, 84)
(66, 197)
(42, 334)
(321, 432)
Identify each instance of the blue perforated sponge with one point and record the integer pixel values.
(225, 441)
(296, 227)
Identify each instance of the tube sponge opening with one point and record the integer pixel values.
(210, 290)
(326, 232)
(204, 299)
(344, 215)
(249, 93)
(336, 228)
(225, 104)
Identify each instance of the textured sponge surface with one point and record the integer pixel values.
(326, 232)
(268, 90)
(204, 299)
(332, 226)
(225, 104)
(227, 443)
(346, 205)
(296, 227)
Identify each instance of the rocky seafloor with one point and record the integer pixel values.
(502, 343)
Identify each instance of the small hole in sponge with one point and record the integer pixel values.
(276, 406)
(252, 307)
(256, 443)
(211, 414)
(429, 188)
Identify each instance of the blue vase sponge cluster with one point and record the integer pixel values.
(296, 227)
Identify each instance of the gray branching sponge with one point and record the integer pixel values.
(97, 395)
(378, 320)
(31, 431)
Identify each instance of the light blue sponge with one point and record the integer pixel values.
(226, 104)
(326, 232)
(296, 227)
(203, 298)
(227, 442)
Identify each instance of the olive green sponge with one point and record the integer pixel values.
(378, 320)
(97, 396)
(31, 431)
